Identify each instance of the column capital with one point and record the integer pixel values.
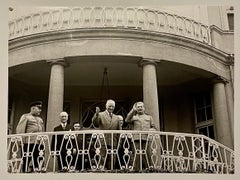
(145, 61)
(219, 79)
(60, 61)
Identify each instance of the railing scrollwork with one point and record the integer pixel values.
(92, 150)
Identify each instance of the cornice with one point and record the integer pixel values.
(214, 27)
(118, 33)
(219, 79)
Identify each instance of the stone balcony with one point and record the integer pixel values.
(114, 17)
(91, 151)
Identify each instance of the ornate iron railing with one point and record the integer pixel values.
(117, 151)
(117, 17)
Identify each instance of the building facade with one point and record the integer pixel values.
(180, 68)
(73, 59)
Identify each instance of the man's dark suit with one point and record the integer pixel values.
(61, 146)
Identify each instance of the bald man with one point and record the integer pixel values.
(59, 144)
(106, 120)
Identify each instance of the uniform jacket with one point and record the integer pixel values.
(29, 124)
(105, 122)
(142, 122)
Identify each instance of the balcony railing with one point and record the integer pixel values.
(117, 151)
(117, 17)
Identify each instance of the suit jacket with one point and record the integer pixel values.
(59, 138)
(105, 122)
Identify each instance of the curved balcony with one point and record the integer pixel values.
(91, 151)
(103, 17)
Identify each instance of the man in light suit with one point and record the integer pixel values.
(106, 120)
(141, 122)
(59, 143)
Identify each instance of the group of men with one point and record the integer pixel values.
(105, 120)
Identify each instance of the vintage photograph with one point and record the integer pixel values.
(121, 89)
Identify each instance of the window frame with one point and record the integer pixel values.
(230, 25)
(207, 122)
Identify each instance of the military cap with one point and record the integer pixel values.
(36, 103)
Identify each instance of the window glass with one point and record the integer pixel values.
(201, 115)
(199, 102)
(203, 107)
(204, 116)
(10, 102)
(209, 113)
(211, 132)
(203, 131)
(207, 99)
(230, 21)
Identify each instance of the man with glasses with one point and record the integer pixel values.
(31, 123)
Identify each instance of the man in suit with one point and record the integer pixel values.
(61, 144)
(106, 120)
(31, 123)
(78, 147)
(141, 122)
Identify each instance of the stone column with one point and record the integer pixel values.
(221, 114)
(229, 86)
(230, 104)
(56, 93)
(150, 90)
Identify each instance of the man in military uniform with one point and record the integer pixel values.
(106, 120)
(31, 123)
(141, 122)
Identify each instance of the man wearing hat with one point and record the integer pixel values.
(31, 123)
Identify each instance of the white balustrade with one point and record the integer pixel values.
(94, 17)
(117, 151)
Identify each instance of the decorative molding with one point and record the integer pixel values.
(59, 61)
(231, 58)
(146, 61)
(219, 79)
(216, 28)
(112, 33)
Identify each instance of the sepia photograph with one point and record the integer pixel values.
(121, 89)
